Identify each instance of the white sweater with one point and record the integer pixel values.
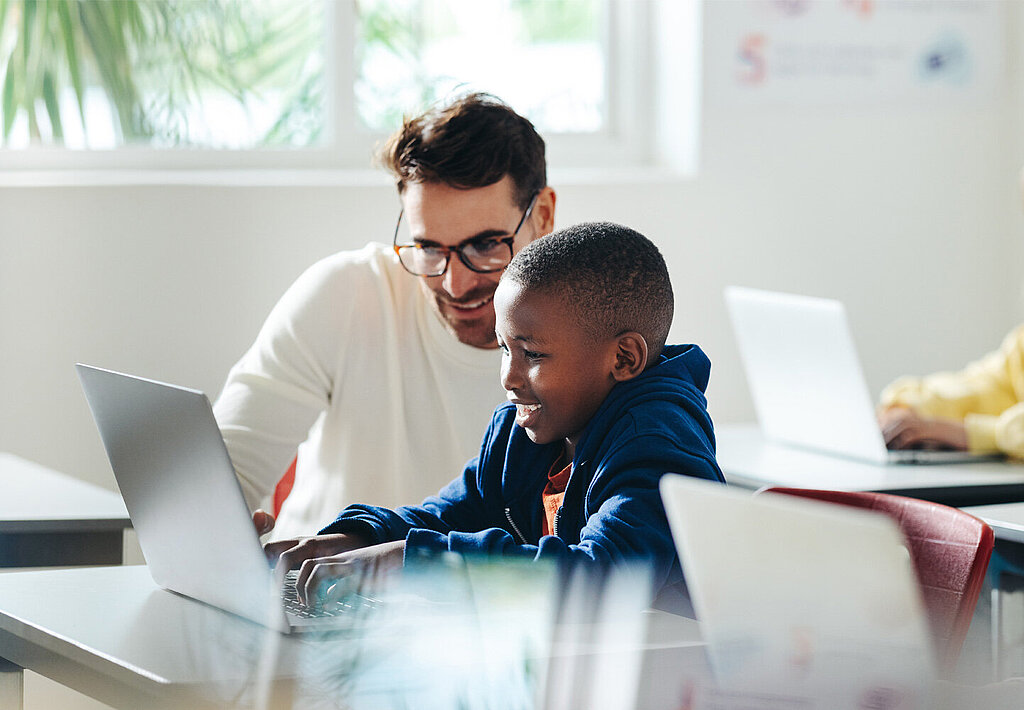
(354, 365)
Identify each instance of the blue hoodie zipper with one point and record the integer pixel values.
(515, 528)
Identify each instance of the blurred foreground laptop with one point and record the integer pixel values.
(813, 602)
(186, 505)
(806, 381)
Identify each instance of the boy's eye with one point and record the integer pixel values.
(531, 355)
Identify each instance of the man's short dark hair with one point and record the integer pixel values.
(611, 278)
(473, 141)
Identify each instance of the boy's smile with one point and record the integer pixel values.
(552, 369)
(526, 414)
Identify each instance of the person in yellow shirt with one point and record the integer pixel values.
(978, 409)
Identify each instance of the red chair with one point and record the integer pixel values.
(284, 487)
(950, 550)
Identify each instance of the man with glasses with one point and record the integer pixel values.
(377, 368)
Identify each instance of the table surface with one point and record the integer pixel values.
(1006, 519)
(39, 499)
(749, 461)
(111, 633)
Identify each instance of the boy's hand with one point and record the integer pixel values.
(322, 579)
(905, 429)
(290, 554)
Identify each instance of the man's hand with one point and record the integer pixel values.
(905, 429)
(262, 521)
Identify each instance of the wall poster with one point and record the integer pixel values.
(853, 51)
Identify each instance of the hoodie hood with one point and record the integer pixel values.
(678, 380)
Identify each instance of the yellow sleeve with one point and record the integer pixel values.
(983, 395)
(1006, 430)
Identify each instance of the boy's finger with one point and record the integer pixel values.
(303, 583)
(335, 584)
(298, 552)
(328, 580)
(274, 550)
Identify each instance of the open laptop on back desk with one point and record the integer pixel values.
(807, 382)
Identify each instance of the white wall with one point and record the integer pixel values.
(910, 215)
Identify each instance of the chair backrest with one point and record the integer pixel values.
(284, 487)
(950, 550)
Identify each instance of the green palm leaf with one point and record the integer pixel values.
(9, 101)
(52, 106)
(154, 60)
(68, 34)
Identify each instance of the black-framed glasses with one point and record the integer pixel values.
(484, 255)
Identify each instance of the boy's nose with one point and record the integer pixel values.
(509, 379)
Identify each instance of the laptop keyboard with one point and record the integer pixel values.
(350, 604)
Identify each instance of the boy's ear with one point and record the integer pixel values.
(630, 356)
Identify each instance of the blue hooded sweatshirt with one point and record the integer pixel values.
(654, 424)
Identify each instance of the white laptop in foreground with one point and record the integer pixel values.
(806, 381)
(184, 500)
(802, 604)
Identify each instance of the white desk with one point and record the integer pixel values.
(112, 634)
(48, 519)
(749, 461)
(1006, 520)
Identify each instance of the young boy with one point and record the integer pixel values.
(599, 409)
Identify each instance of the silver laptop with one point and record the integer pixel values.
(803, 599)
(184, 500)
(806, 381)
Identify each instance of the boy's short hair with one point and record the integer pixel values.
(611, 278)
(473, 141)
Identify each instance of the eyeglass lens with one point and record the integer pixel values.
(485, 255)
(489, 255)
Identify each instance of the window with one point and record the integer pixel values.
(309, 83)
(220, 74)
(507, 48)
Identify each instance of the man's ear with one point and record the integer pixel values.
(630, 356)
(544, 212)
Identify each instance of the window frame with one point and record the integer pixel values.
(626, 140)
